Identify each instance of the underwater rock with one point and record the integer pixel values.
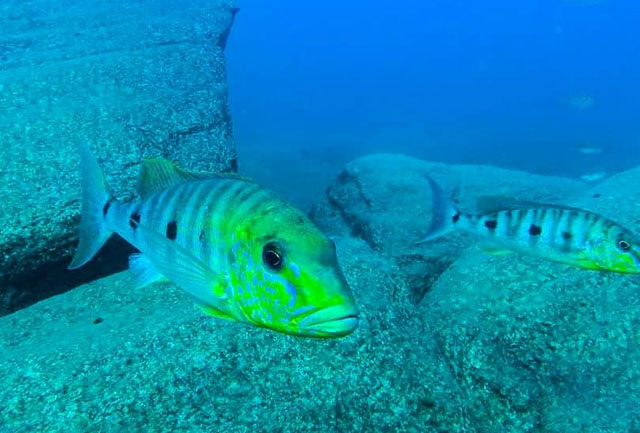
(617, 197)
(534, 345)
(539, 346)
(385, 199)
(109, 357)
(134, 79)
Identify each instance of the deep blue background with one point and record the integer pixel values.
(465, 81)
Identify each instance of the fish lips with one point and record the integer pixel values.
(335, 321)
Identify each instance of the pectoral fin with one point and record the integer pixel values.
(143, 270)
(183, 268)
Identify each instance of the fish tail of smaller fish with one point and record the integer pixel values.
(445, 213)
(93, 230)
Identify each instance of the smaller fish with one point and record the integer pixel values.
(587, 149)
(581, 102)
(594, 177)
(557, 233)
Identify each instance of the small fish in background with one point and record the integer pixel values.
(594, 177)
(557, 233)
(240, 251)
(589, 149)
(581, 102)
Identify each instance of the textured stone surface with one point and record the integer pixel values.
(539, 346)
(106, 357)
(133, 79)
(386, 200)
(535, 346)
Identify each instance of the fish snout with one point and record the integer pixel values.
(334, 321)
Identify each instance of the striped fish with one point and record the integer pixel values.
(558, 233)
(241, 252)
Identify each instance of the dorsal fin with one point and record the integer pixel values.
(157, 174)
(492, 204)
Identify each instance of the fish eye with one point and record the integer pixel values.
(624, 245)
(272, 256)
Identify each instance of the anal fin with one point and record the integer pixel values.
(180, 266)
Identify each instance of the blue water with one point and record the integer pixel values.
(448, 338)
(460, 81)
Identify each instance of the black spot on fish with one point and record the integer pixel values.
(566, 236)
(201, 235)
(491, 224)
(172, 230)
(535, 230)
(97, 320)
(596, 195)
(106, 207)
(456, 217)
(134, 219)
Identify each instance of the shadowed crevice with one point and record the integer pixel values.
(54, 278)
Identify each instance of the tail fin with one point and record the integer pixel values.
(93, 231)
(445, 213)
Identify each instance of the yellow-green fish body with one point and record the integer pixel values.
(243, 253)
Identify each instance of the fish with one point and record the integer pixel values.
(594, 177)
(557, 233)
(581, 102)
(587, 149)
(240, 251)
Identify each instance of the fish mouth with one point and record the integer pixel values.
(331, 322)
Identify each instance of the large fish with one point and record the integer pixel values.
(558, 233)
(241, 252)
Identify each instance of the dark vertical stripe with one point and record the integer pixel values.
(184, 210)
(189, 217)
(516, 222)
(258, 203)
(155, 205)
(216, 198)
(212, 219)
(170, 211)
(230, 199)
(242, 201)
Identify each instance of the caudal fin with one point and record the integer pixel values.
(93, 231)
(445, 214)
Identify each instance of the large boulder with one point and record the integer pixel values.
(540, 346)
(534, 345)
(134, 79)
(617, 197)
(108, 357)
(386, 200)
